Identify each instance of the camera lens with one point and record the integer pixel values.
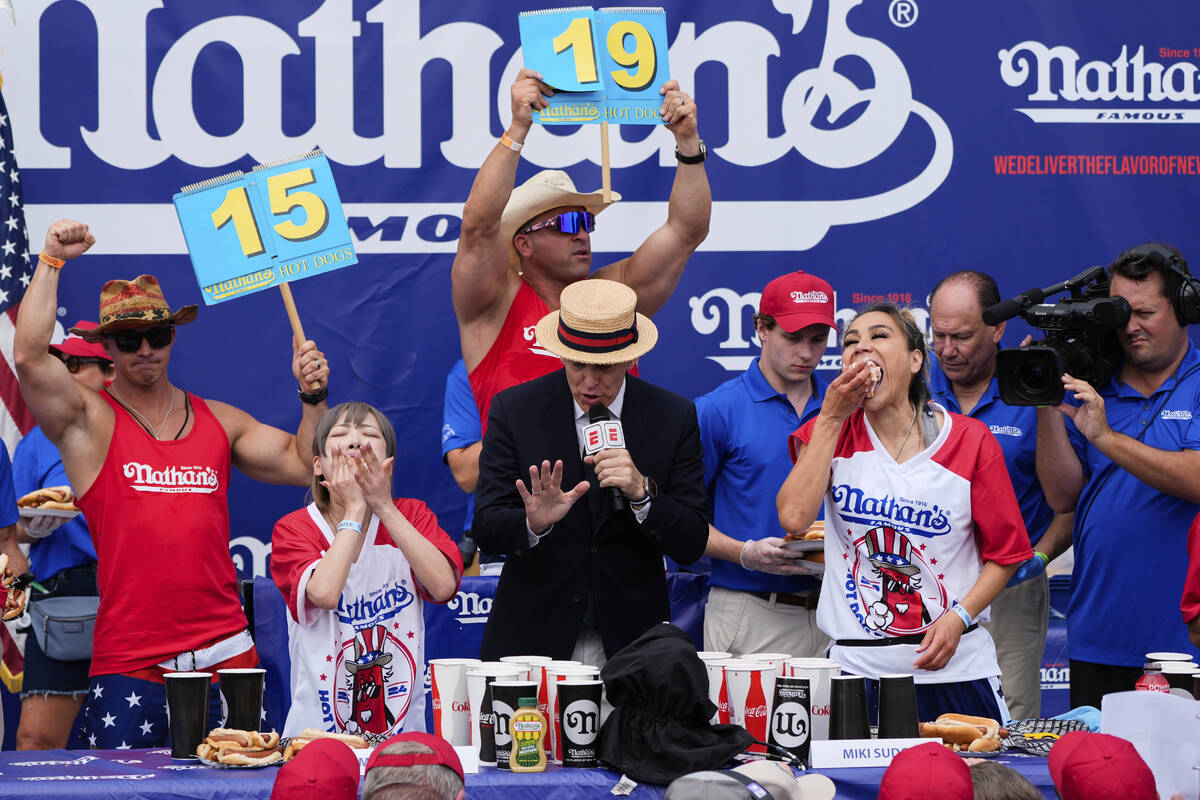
(1030, 376)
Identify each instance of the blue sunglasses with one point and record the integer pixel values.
(569, 222)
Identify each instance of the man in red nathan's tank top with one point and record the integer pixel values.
(519, 248)
(151, 463)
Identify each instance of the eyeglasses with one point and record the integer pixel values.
(76, 363)
(131, 341)
(569, 222)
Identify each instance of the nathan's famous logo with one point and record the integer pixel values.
(857, 506)
(892, 588)
(470, 607)
(1059, 75)
(375, 682)
(375, 607)
(171, 479)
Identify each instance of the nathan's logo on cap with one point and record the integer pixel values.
(810, 297)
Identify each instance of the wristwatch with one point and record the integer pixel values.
(696, 159)
(651, 491)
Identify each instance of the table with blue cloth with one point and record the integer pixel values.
(153, 775)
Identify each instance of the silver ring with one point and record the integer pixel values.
(317, 364)
(535, 494)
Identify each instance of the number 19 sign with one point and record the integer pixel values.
(605, 66)
(280, 223)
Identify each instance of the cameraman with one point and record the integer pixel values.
(1125, 458)
(964, 381)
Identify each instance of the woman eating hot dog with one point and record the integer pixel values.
(922, 528)
(355, 566)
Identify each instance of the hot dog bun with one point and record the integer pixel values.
(965, 732)
(309, 734)
(60, 497)
(242, 748)
(817, 557)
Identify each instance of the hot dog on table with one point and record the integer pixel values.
(964, 732)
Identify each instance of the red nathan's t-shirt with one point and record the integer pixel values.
(160, 521)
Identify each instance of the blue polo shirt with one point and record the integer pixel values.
(1015, 428)
(37, 464)
(460, 422)
(1131, 540)
(744, 429)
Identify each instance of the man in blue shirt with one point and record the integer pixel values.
(764, 597)
(963, 381)
(1125, 457)
(462, 440)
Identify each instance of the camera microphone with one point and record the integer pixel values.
(1007, 309)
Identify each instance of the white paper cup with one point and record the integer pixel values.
(818, 671)
(713, 655)
(1179, 675)
(718, 690)
(451, 704)
(1168, 657)
(774, 659)
(537, 674)
(751, 685)
(555, 673)
(478, 677)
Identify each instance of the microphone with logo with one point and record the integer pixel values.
(601, 433)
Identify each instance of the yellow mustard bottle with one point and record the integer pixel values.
(528, 728)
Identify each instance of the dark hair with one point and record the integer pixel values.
(986, 290)
(766, 320)
(352, 413)
(994, 781)
(918, 387)
(1138, 267)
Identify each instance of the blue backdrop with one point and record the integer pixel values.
(879, 144)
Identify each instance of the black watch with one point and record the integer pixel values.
(315, 397)
(696, 159)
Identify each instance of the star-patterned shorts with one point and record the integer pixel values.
(123, 712)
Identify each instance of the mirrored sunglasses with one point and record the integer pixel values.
(131, 341)
(569, 222)
(76, 363)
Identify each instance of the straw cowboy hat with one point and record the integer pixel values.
(596, 324)
(134, 304)
(550, 188)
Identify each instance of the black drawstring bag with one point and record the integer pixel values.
(659, 727)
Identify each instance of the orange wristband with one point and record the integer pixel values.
(511, 143)
(51, 261)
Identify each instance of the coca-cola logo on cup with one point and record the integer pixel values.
(461, 705)
(757, 712)
(790, 725)
(581, 722)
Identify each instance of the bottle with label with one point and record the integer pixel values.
(1152, 679)
(528, 729)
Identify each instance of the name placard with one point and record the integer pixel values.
(281, 222)
(834, 753)
(604, 65)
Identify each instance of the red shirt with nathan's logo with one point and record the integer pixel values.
(158, 515)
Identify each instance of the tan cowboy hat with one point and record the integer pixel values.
(134, 304)
(550, 188)
(596, 324)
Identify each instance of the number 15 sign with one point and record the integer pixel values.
(605, 66)
(280, 223)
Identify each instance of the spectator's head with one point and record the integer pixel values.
(965, 346)
(88, 362)
(348, 428)
(548, 223)
(997, 782)
(795, 314)
(889, 336)
(137, 328)
(413, 766)
(325, 769)
(1097, 766)
(927, 772)
(770, 776)
(1149, 277)
(598, 334)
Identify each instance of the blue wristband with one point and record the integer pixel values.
(350, 525)
(963, 614)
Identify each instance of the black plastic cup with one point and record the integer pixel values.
(898, 707)
(506, 698)
(242, 697)
(848, 708)
(187, 711)
(791, 717)
(579, 721)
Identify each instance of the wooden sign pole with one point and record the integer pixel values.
(605, 167)
(289, 303)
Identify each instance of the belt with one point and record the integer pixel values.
(808, 601)
(912, 638)
(191, 660)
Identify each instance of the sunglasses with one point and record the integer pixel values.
(131, 341)
(569, 222)
(76, 363)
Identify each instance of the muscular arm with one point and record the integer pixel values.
(1058, 468)
(464, 466)
(799, 499)
(656, 266)
(1174, 473)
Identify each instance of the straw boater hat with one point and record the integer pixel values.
(596, 324)
(550, 188)
(134, 304)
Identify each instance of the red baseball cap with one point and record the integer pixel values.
(1096, 766)
(75, 346)
(443, 753)
(927, 772)
(797, 300)
(325, 769)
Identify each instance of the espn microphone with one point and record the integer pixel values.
(603, 432)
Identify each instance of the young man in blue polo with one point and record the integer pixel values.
(764, 597)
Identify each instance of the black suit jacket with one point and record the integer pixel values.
(543, 591)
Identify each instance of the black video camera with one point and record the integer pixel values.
(1080, 339)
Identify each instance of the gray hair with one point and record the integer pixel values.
(421, 782)
(994, 781)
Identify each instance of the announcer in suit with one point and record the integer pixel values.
(582, 578)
